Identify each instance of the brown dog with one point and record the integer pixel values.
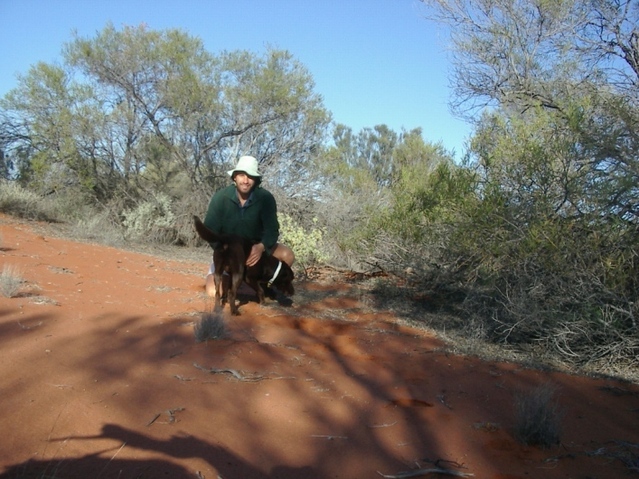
(230, 256)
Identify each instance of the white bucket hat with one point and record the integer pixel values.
(248, 165)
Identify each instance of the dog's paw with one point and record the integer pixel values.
(285, 301)
(270, 293)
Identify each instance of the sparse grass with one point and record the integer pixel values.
(538, 417)
(211, 326)
(10, 281)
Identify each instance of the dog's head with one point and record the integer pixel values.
(284, 279)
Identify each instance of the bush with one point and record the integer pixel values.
(73, 204)
(102, 226)
(538, 417)
(192, 203)
(210, 326)
(151, 220)
(18, 201)
(10, 281)
(306, 244)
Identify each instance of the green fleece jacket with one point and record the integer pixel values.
(256, 220)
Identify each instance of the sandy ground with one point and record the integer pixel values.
(101, 377)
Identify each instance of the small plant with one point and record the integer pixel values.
(210, 326)
(153, 220)
(305, 243)
(10, 281)
(538, 417)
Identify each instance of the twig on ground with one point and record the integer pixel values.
(328, 436)
(155, 418)
(383, 425)
(625, 452)
(423, 472)
(433, 470)
(111, 460)
(239, 374)
(236, 374)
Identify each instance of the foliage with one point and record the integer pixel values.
(306, 244)
(18, 201)
(527, 54)
(366, 199)
(136, 110)
(541, 264)
(544, 249)
(152, 220)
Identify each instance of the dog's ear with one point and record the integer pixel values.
(284, 280)
(289, 271)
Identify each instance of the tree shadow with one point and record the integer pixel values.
(100, 466)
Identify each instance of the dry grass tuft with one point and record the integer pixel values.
(10, 281)
(211, 326)
(538, 416)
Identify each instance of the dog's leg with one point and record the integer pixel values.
(260, 293)
(258, 289)
(219, 290)
(236, 281)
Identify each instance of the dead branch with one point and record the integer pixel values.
(239, 375)
(236, 374)
(329, 437)
(423, 472)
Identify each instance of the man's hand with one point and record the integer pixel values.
(256, 254)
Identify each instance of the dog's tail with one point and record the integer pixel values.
(205, 233)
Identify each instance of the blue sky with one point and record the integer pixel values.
(373, 61)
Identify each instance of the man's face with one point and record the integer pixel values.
(244, 183)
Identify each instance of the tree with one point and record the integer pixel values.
(577, 59)
(536, 53)
(549, 252)
(137, 111)
(370, 194)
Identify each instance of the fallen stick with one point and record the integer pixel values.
(238, 375)
(423, 472)
(232, 372)
(383, 425)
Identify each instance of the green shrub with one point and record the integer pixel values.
(151, 220)
(306, 244)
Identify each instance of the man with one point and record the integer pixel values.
(247, 210)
